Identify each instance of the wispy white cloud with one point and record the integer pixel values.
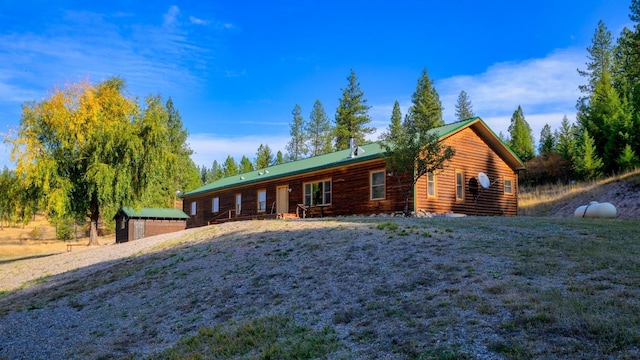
(210, 147)
(196, 21)
(171, 16)
(545, 88)
(152, 57)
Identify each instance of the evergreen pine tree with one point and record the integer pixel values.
(230, 167)
(607, 116)
(245, 165)
(264, 157)
(628, 58)
(464, 108)
(297, 147)
(628, 160)
(318, 131)
(395, 128)
(521, 141)
(587, 163)
(425, 112)
(203, 174)
(547, 143)
(216, 172)
(279, 158)
(566, 140)
(352, 115)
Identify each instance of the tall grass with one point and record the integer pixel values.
(538, 200)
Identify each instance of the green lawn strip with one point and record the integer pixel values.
(270, 337)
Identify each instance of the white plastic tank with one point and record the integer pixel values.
(595, 209)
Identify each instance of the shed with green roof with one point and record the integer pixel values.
(355, 182)
(134, 224)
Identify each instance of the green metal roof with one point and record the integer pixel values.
(154, 213)
(341, 158)
(326, 161)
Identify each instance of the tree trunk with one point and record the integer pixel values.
(93, 228)
(406, 205)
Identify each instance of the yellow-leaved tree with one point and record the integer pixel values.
(89, 149)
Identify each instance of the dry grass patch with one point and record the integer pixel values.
(545, 200)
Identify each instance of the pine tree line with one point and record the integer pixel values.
(264, 158)
(606, 135)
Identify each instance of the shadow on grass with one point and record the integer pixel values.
(471, 287)
(8, 261)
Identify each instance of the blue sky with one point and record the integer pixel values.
(236, 69)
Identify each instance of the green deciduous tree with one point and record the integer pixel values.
(297, 147)
(318, 130)
(464, 108)
(352, 115)
(86, 151)
(521, 138)
(425, 112)
(10, 188)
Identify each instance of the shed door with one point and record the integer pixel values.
(138, 229)
(282, 199)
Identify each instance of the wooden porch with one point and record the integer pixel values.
(302, 212)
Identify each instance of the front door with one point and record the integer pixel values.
(238, 204)
(282, 199)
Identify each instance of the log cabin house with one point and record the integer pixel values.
(355, 182)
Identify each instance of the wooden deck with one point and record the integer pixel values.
(221, 220)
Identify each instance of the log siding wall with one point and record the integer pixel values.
(350, 194)
(473, 155)
(351, 188)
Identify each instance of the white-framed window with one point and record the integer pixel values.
(262, 200)
(459, 185)
(238, 204)
(317, 193)
(378, 188)
(431, 184)
(215, 204)
(193, 208)
(508, 186)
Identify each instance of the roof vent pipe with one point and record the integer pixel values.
(351, 141)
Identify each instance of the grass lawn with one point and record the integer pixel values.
(465, 288)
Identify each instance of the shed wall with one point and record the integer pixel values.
(150, 227)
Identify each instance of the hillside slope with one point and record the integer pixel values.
(485, 288)
(561, 201)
